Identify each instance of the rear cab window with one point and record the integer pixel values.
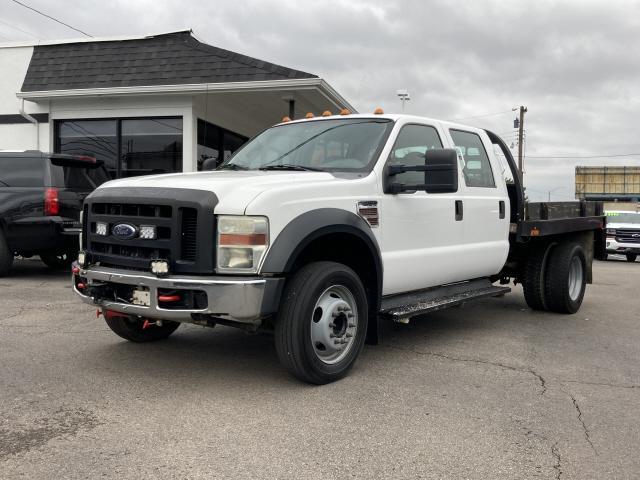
(22, 172)
(477, 169)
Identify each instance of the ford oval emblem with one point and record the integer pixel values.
(124, 231)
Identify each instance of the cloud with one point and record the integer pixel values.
(573, 63)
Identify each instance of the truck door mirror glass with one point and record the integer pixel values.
(440, 173)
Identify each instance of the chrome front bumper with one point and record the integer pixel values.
(613, 246)
(238, 299)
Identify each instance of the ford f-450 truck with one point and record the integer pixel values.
(320, 229)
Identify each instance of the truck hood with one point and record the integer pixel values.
(234, 189)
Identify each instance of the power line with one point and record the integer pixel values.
(589, 156)
(483, 115)
(18, 28)
(51, 18)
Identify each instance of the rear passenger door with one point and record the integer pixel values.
(486, 205)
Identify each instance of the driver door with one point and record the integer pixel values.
(420, 234)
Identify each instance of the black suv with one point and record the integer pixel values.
(41, 197)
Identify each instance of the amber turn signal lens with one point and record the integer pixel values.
(285, 119)
(345, 111)
(326, 113)
(239, 239)
(309, 115)
(378, 111)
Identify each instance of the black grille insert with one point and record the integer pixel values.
(189, 246)
(132, 210)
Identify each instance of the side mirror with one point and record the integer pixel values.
(441, 173)
(210, 163)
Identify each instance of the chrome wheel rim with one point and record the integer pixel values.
(576, 275)
(334, 323)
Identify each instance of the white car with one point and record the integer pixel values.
(318, 230)
(623, 234)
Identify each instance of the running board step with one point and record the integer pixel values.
(401, 308)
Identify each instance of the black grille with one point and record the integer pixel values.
(132, 210)
(628, 236)
(188, 249)
(182, 218)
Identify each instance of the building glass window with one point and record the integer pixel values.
(127, 146)
(97, 138)
(216, 142)
(150, 146)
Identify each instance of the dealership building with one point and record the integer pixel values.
(150, 104)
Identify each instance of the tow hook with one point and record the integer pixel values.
(148, 324)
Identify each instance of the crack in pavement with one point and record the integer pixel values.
(587, 433)
(558, 465)
(602, 384)
(539, 378)
(20, 311)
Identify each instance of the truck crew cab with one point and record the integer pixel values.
(319, 229)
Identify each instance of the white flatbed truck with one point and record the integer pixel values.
(320, 229)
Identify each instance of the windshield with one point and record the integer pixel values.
(346, 145)
(623, 217)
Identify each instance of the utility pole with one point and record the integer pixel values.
(523, 110)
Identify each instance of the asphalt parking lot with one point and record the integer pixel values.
(486, 391)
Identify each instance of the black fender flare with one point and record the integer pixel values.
(309, 226)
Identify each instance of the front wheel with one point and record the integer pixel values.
(6, 256)
(136, 330)
(59, 260)
(631, 257)
(322, 322)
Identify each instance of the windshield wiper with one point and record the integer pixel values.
(232, 166)
(289, 166)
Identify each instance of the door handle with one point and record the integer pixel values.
(501, 208)
(459, 210)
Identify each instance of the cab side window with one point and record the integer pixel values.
(477, 167)
(412, 143)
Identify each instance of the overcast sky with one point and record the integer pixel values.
(574, 64)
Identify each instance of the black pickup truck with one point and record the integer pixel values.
(41, 199)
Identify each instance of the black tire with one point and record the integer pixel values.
(6, 256)
(293, 330)
(534, 277)
(59, 260)
(131, 329)
(560, 295)
(631, 257)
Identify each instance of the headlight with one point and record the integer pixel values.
(611, 231)
(242, 242)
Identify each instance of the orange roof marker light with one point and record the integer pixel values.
(326, 113)
(345, 111)
(285, 119)
(309, 115)
(378, 111)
